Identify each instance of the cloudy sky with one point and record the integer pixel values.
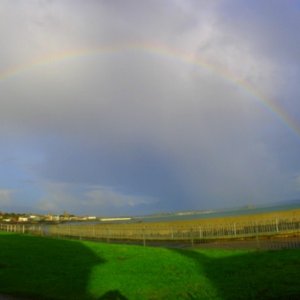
(133, 107)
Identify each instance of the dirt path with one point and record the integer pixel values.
(264, 244)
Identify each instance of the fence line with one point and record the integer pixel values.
(146, 233)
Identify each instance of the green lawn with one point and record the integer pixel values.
(44, 268)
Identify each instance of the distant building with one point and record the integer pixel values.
(52, 218)
(34, 218)
(114, 219)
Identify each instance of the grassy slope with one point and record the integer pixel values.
(60, 269)
(259, 217)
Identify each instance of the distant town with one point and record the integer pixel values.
(6, 217)
(37, 218)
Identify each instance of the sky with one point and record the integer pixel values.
(136, 107)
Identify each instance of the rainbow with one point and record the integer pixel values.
(164, 51)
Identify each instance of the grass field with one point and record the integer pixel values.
(242, 226)
(44, 268)
(259, 217)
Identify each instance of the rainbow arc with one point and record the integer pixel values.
(163, 51)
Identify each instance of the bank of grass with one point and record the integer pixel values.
(44, 268)
(259, 217)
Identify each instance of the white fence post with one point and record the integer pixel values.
(277, 229)
(200, 232)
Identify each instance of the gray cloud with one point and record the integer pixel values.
(89, 199)
(6, 197)
(138, 125)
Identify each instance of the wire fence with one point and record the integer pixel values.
(275, 233)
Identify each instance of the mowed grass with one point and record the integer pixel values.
(44, 268)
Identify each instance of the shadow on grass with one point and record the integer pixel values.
(44, 268)
(254, 275)
(112, 295)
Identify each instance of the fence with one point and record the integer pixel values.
(276, 233)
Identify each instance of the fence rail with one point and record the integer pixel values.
(149, 233)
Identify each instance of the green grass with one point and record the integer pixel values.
(44, 268)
